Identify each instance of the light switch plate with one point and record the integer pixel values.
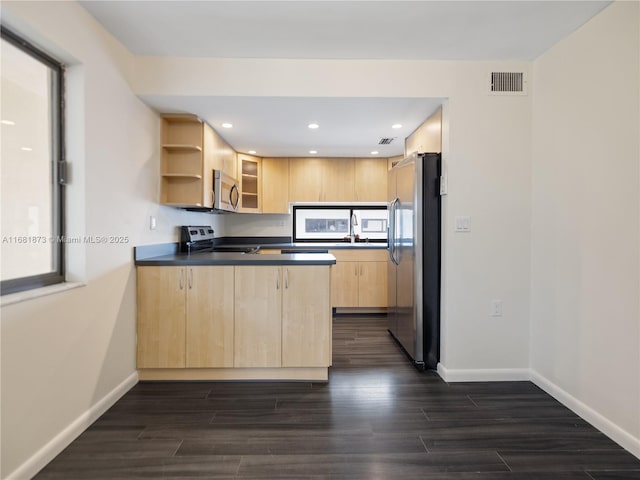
(463, 224)
(443, 184)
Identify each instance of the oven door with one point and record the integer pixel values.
(226, 195)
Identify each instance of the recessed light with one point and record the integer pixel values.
(313, 126)
(252, 152)
(313, 152)
(227, 125)
(396, 125)
(26, 149)
(375, 152)
(7, 122)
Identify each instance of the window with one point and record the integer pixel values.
(335, 223)
(32, 221)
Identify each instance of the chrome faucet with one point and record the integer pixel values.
(354, 222)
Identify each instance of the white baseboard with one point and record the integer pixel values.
(47, 453)
(606, 426)
(483, 374)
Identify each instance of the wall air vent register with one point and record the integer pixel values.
(507, 83)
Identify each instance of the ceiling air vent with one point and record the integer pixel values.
(507, 83)
(386, 141)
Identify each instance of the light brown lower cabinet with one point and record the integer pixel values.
(258, 306)
(283, 316)
(212, 321)
(185, 317)
(359, 278)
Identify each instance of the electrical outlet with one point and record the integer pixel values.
(496, 308)
(152, 223)
(281, 223)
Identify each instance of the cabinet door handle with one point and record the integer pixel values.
(181, 278)
(286, 278)
(278, 280)
(356, 269)
(190, 278)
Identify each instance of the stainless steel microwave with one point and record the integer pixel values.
(226, 194)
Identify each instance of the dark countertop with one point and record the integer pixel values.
(227, 258)
(167, 254)
(322, 245)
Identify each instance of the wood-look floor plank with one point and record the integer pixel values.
(376, 418)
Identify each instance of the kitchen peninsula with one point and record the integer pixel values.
(233, 316)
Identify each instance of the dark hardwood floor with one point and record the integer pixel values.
(377, 418)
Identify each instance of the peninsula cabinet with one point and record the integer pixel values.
(185, 317)
(359, 278)
(235, 322)
(283, 316)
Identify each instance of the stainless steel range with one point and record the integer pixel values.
(201, 238)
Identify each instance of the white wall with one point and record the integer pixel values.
(63, 354)
(585, 277)
(486, 152)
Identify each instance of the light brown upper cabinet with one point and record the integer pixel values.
(218, 154)
(191, 150)
(182, 166)
(427, 138)
(249, 178)
(321, 179)
(371, 179)
(275, 185)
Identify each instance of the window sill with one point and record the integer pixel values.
(18, 297)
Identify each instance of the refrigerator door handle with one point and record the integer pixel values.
(392, 230)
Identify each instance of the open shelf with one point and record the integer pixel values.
(182, 175)
(174, 147)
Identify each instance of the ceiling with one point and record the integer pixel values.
(277, 126)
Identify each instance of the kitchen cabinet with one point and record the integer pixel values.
(427, 137)
(338, 180)
(306, 316)
(161, 317)
(250, 183)
(282, 316)
(275, 185)
(344, 283)
(209, 316)
(321, 179)
(359, 278)
(190, 151)
(218, 153)
(258, 313)
(182, 162)
(185, 317)
(371, 179)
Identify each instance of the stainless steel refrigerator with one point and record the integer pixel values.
(414, 257)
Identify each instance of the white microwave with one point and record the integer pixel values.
(226, 194)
